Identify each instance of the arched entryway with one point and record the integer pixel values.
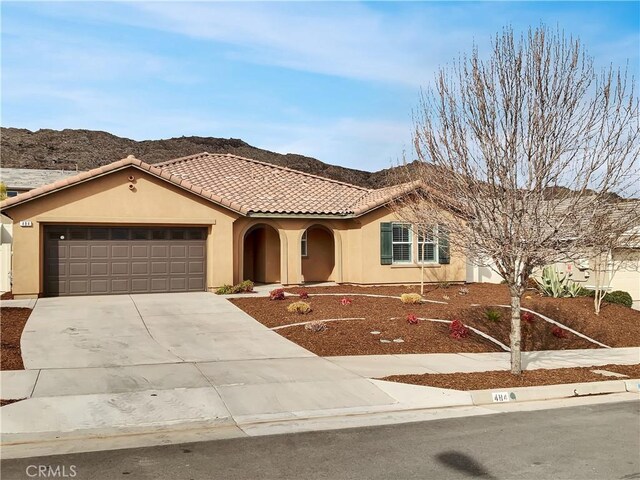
(261, 257)
(318, 254)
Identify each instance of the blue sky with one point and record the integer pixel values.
(336, 81)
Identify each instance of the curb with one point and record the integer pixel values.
(552, 392)
(20, 445)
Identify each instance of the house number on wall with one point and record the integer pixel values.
(26, 223)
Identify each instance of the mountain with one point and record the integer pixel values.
(86, 149)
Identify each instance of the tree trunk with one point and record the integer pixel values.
(516, 335)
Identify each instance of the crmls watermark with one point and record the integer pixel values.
(51, 471)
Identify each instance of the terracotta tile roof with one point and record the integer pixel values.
(130, 161)
(266, 188)
(245, 186)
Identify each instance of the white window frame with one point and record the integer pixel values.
(304, 247)
(436, 250)
(410, 243)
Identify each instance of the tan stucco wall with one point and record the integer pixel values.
(356, 245)
(363, 254)
(109, 201)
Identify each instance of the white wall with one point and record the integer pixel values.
(6, 236)
(481, 274)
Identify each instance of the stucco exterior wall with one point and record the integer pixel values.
(364, 248)
(108, 200)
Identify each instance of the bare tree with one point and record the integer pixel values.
(530, 151)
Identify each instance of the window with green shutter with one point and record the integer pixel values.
(443, 245)
(386, 256)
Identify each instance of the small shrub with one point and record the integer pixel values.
(446, 297)
(346, 301)
(457, 330)
(559, 332)
(412, 319)
(277, 294)
(411, 298)
(246, 286)
(224, 290)
(492, 315)
(444, 284)
(299, 307)
(463, 291)
(303, 294)
(527, 317)
(316, 326)
(619, 297)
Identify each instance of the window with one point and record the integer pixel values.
(303, 244)
(159, 235)
(139, 234)
(120, 234)
(195, 234)
(177, 235)
(12, 193)
(401, 242)
(428, 246)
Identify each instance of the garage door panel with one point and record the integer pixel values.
(120, 251)
(196, 267)
(78, 252)
(159, 251)
(120, 285)
(177, 284)
(140, 251)
(178, 251)
(159, 284)
(139, 268)
(99, 285)
(99, 251)
(178, 267)
(159, 268)
(139, 285)
(99, 268)
(119, 260)
(78, 269)
(79, 287)
(119, 268)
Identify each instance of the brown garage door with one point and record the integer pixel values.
(80, 260)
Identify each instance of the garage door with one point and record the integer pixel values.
(80, 260)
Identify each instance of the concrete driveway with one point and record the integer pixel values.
(118, 361)
(115, 331)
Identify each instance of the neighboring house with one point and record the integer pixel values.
(16, 181)
(20, 180)
(198, 222)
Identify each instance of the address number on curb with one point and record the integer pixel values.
(500, 396)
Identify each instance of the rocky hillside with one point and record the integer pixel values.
(87, 149)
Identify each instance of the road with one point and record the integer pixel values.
(596, 441)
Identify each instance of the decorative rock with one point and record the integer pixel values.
(375, 332)
(398, 340)
(607, 373)
(382, 340)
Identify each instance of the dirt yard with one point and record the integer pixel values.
(12, 322)
(504, 379)
(475, 305)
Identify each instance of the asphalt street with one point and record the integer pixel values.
(596, 441)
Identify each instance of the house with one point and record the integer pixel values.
(19, 180)
(16, 181)
(198, 222)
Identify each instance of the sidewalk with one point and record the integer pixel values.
(119, 407)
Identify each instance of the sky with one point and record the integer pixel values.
(337, 81)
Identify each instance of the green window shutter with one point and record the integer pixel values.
(443, 246)
(386, 251)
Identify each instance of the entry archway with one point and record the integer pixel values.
(318, 254)
(261, 254)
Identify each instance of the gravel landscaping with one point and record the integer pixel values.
(504, 379)
(12, 322)
(475, 305)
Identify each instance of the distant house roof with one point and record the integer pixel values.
(245, 186)
(29, 178)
